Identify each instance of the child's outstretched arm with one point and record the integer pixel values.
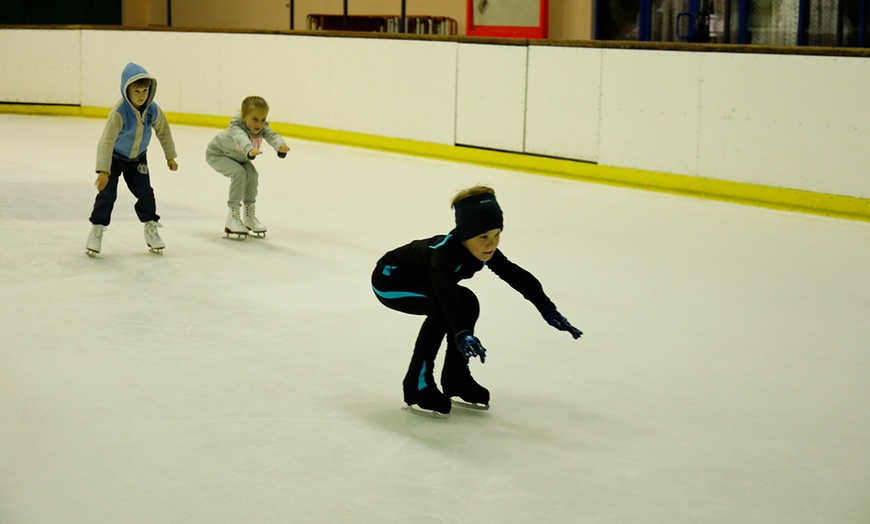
(555, 319)
(274, 139)
(529, 286)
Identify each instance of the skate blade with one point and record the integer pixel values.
(234, 236)
(91, 253)
(257, 234)
(155, 250)
(417, 410)
(469, 405)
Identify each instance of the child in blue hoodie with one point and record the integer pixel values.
(122, 151)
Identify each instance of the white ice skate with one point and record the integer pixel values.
(95, 240)
(152, 238)
(234, 227)
(251, 223)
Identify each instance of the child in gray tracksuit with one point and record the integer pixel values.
(231, 153)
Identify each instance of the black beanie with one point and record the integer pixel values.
(476, 215)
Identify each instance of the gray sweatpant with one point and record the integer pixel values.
(244, 179)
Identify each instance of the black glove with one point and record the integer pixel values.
(555, 319)
(469, 345)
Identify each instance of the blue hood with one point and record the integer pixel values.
(131, 73)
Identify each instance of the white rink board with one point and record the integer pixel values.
(649, 110)
(491, 96)
(377, 87)
(795, 122)
(787, 121)
(188, 72)
(40, 66)
(562, 110)
(361, 85)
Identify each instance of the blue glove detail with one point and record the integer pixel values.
(555, 319)
(469, 345)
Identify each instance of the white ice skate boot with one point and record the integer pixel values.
(95, 240)
(234, 227)
(152, 238)
(251, 222)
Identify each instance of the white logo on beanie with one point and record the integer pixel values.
(472, 221)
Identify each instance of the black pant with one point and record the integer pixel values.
(409, 297)
(138, 181)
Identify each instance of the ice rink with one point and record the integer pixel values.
(724, 374)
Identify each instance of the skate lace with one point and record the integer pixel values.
(151, 228)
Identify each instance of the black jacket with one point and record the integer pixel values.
(434, 266)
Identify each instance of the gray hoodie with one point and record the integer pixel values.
(237, 140)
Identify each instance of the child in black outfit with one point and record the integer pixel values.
(422, 278)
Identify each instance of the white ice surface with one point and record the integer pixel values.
(724, 376)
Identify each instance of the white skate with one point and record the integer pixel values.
(234, 227)
(251, 223)
(152, 238)
(95, 240)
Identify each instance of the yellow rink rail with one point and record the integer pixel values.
(836, 206)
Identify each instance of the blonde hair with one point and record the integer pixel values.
(252, 102)
(471, 191)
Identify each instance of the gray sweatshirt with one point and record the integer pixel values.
(236, 140)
